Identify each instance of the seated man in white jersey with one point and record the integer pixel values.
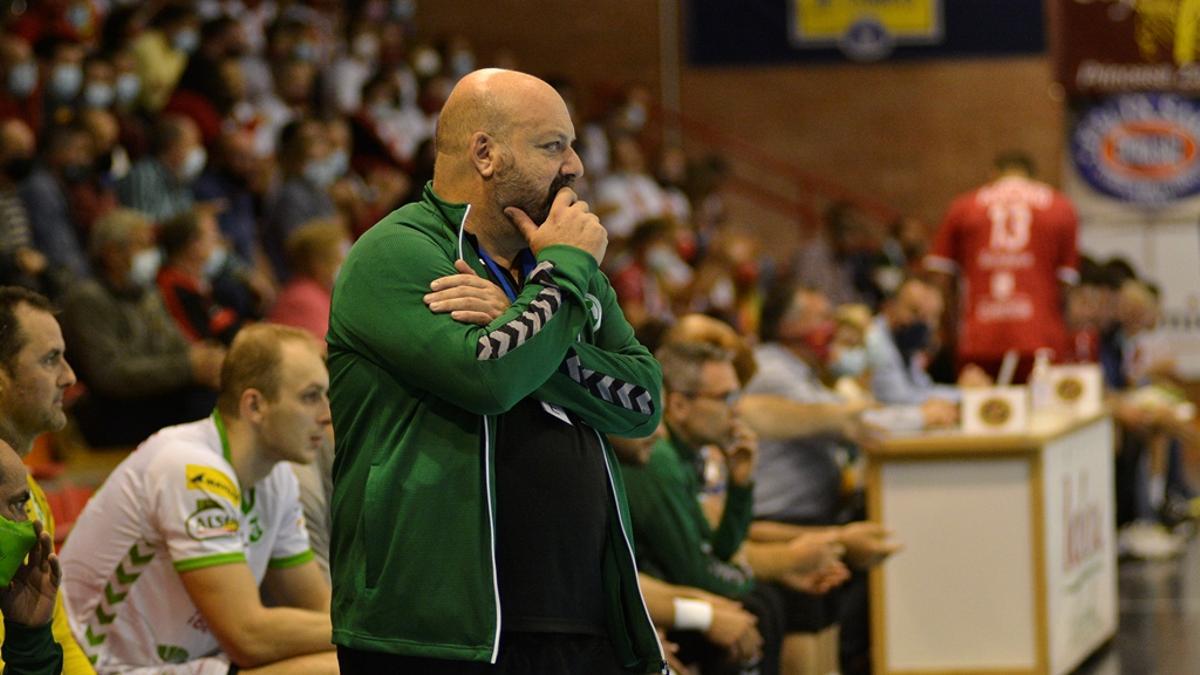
(165, 564)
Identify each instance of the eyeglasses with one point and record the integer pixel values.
(729, 398)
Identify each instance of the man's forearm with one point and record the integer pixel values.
(775, 417)
(279, 633)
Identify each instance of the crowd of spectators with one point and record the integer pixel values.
(173, 172)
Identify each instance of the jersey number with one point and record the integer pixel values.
(1010, 226)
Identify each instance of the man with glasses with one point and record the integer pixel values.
(675, 541)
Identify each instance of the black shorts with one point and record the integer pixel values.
(520, 654)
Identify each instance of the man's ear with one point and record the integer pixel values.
(251, 406)
(485, 154)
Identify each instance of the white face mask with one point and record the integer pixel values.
(215, 262)
(22, 78)
(186, 40)
(193, 164)
(145, 266)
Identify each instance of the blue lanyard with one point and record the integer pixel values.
(525, 259)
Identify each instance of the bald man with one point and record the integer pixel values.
(478, 357)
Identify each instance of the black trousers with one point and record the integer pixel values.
(520, 654)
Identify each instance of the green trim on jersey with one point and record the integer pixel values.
(292, 560)
(247, 503)
(209, 561)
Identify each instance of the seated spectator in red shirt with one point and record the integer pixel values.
(315, 251)
(194, 252)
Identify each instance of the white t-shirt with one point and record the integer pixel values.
(174, 505)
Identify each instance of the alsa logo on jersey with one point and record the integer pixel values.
(1140, 148)
(213, 482)
(212, 520)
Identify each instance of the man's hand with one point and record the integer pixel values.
(467, 296)
(937, 413)
(867, 543)
(741, 454)
(820, 581)
(29, 599)
(816, 551)
(206, 360)
(570, 223)
(735, 630)
(972, 376)
(31, 261)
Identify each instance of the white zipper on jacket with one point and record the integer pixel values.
(612, 487)
(487, 481)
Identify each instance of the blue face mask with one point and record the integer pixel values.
(98, 95)
(186, 40)
(22, 79)
(129, 85)
(319, 172)
(65, 81)
(849, 363)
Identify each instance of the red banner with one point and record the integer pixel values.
(1115, 46)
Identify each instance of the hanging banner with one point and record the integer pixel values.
(1116, 46)
(865, 30)
(1139, 148)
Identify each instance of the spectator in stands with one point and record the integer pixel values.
(236, 180)
(316, 251)
(20, 262)
(1012, 244)
(20, 95)
(675, 541)
(171, 557)
(96, 195)
(899, 345)
(629, 194)
(62, 77)
(162, 52)
(836, 260)
(304, 194)
(66, 160)
(650, 276)
(141, 373)
(29, 601)
(34, 376)
(99, 79)
(160, 184)
(193, 255)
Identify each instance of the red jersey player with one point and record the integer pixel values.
(1011, 243)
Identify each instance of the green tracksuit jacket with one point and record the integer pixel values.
(415, 397)
(674, 539)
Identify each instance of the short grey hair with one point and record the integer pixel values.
(116, 228)
(682, 363)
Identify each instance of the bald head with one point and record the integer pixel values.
(491, 101)
(16, 138)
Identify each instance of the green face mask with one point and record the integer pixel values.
(16, 540)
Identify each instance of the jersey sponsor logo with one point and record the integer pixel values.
(213, 482)
(211, 520)
(1140, 148)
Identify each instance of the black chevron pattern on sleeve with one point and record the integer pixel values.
(515, 333)
(618, 392)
